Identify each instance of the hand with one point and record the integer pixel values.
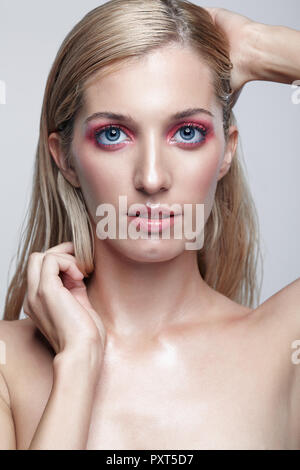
(57, 301)
(237, 29)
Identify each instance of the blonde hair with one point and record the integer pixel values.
(104, 39)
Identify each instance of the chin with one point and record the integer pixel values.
(147, 251)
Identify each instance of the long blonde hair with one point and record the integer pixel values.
(104, 39)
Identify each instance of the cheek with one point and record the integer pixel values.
(202, 180)
(99, 182)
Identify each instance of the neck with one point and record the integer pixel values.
(143, 299)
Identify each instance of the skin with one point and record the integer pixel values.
(207, 373)
(126, 275)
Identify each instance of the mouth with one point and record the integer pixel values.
(153, 217)
(152, 222)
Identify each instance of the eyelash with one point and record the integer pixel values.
(201, 128)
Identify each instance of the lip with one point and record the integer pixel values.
(155, 212)
(147, 224)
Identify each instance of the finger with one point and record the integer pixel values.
(28, 311)
(65, 247)
(211, 11)
(34, 269)
(235, 96)
(51, 267)
(33, 275)
(70, 258)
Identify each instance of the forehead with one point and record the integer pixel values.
(168, 78)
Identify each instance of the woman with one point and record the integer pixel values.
(119, 119)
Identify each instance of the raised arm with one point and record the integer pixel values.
(258, 51)
(277, 57)
(58, 304)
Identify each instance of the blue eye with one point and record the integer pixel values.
(111, 135)
(191, 134)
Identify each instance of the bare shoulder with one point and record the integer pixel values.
(279, 326)
(22, 337)
(23, 348)
(282, 313)
(284, 307)
(26, 375)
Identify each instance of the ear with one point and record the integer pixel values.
(230, 150)
(59, 158)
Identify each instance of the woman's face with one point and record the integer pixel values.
(154, 157)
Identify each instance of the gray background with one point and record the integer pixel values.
(30, 35)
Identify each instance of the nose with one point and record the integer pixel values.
(151, 174)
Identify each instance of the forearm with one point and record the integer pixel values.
(66, 419)
(277, 53)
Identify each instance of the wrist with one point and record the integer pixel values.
(257, 35)
(270, 59)
(88, 358)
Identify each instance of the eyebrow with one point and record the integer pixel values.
(128, 118)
